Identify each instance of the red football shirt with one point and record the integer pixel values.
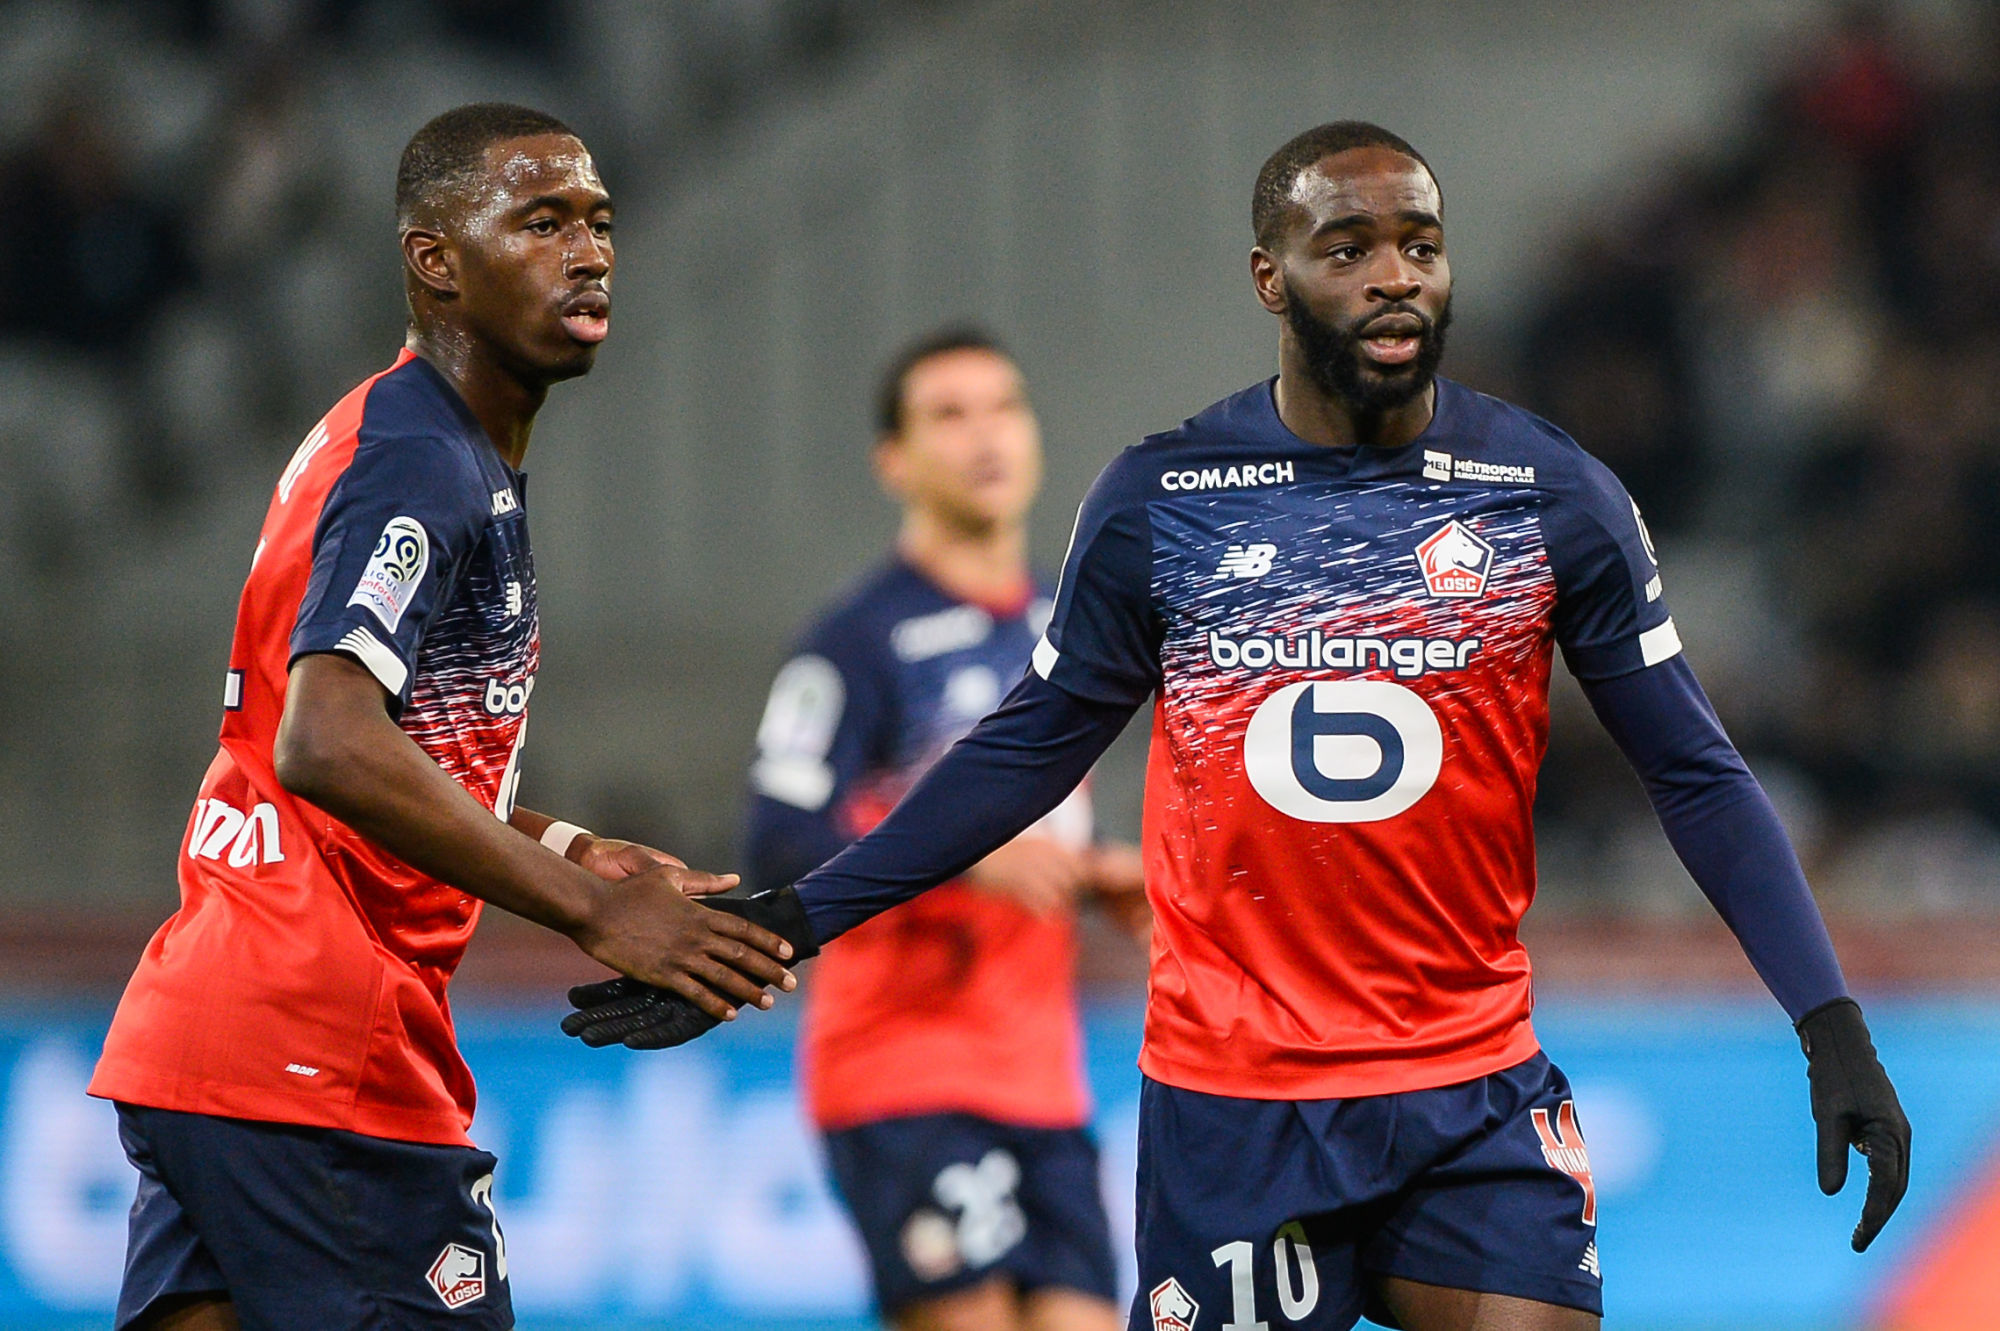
(303, 978)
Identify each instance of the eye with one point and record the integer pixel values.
(1424, 251)
(543, 226)
(1345, 253)
(602, 229)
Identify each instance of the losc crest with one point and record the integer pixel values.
(1455, 562)
(458, 1275)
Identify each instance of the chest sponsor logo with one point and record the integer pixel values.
(504, 501)
(458, 1276)
(1444, 467)
(221, 830)
(1343, 751)
(1407, 658)
(504, 699)
(395, 568)
(1455, 562)
(1173, 1308)
(1246, 561)
(1225, 478)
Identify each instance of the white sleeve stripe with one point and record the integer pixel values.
(1045, 657)
(385, 665)
(1659, 644)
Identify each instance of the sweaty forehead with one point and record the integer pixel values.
(1376, 181)
(539, 164)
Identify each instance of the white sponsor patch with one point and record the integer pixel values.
(394, 570)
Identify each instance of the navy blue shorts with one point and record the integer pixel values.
(1287, 1212)
(311, 1227)
(948, 1201)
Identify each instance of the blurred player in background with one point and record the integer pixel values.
(287, 1078)
(941, 1051)
(1343, 585)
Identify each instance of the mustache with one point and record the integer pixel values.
(1358, 328)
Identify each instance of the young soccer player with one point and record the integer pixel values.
(287, 1080)
(941, 1054)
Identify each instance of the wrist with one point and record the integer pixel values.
(567, 840)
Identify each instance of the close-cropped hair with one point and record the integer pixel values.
(1272, 195)
(448, 153)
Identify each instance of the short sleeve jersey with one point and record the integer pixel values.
(960, 1001)
(303, 978)
(1350, 649)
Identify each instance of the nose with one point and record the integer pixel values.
(588, 256)
(1398, 281)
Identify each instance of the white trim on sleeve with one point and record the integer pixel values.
(1045, 657)
(385, 665)
(1659, 644)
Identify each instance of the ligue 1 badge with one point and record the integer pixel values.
(1455, 563)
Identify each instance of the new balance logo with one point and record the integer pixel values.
(1246, 561)
(1589, 1263)
(247, 839)
(514, 598)
(1563, 1149)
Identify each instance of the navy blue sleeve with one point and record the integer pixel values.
(1609, 617)
(1103, 639)
(392, 536)
(823, 728)
(1723, 827)
(1016, 765)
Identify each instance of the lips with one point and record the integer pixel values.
(586, 316)
(1393, 339)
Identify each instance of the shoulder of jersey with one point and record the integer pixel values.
(1493, 441)
(864, 612)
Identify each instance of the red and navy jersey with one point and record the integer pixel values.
(1351, 651)
(960, 1001)
(303, 978)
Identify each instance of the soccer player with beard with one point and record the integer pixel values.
(1344, 586)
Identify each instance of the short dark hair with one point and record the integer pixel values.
(889, 395)
(1272, 197)
(445, 155)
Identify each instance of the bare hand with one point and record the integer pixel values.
(1036, 872)
(648, 928)
(613, 860)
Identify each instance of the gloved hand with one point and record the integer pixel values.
(1853, 1104)
(640, 1016)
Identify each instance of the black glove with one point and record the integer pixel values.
(643, 1016)
(1854, 1104)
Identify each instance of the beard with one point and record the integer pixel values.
(1335, 362)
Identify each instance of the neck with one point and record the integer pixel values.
(988, 565)
(502, 403)
(1319, 417)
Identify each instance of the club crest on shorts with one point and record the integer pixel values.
(458, 1275)
(1174, 1309)
(1455, 563)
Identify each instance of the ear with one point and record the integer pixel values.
(1269, 280)
(432, 260)
(892, 465)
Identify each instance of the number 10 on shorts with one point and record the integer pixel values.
(1297, 1278)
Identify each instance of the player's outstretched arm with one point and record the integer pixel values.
(1014, 766)
(1725, 831)
(338, 748)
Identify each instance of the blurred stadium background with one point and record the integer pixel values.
(1748, 251)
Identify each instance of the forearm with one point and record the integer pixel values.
(786, 843)
(1722, 826)
(536, 825)
(359, 766)
(1013, 768)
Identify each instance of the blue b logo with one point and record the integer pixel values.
(1342, 751)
